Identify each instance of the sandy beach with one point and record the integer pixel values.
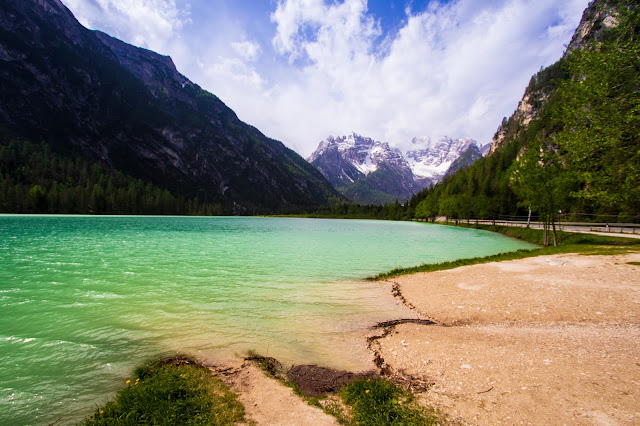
(543, 340)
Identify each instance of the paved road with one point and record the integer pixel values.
(626, 230)
(606, 234)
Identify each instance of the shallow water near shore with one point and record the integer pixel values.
(83, 300)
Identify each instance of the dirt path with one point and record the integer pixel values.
(266, 400)
(545, 340)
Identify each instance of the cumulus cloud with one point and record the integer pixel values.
(151, 24)
(454, 68)
(326, 67)
(313, 28)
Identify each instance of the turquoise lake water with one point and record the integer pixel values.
(84, 300)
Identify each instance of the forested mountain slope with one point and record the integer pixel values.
(127, 111)
(573, 144)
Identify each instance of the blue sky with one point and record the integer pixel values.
(301, 70)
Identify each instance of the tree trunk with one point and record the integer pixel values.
(545, 227)
(555, 235)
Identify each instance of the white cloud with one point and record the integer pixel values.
(248, 50)
(236, 71)
(146, 23)
(454, 69)
(321, 31)
(325, 67)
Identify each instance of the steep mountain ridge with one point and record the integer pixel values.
(88, 94)
(597, 17)
(466, 159)
(430, 162)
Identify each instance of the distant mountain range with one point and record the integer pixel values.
(88, 95)
(372, 172)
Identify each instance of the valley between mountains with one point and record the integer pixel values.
(91, 125)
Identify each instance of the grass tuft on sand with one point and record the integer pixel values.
(171, 392)
(366, 400)
(380, 402)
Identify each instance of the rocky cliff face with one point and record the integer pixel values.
(367, 171)
(371, 172)
(88, 94)
(597, 17)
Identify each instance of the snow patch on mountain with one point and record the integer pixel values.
(431, 160)
(355, 159)
(364, 154)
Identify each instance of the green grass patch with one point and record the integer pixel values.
(587, 244)
(431, 267)
(380, 402)
(171, 392)
(364, 401)
(634, 263)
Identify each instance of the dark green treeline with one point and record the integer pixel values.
(35, 180)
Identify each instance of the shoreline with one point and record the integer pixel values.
(550, 339)
(482, 365)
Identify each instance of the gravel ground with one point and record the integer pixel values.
(544, 340)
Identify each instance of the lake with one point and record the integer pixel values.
(85, 299)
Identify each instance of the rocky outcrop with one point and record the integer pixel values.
(599, 16)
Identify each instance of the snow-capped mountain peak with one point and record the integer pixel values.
(432, 160)
(365, 154)
(386, 172)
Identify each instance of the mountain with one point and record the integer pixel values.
(596, 20)
(431, 162)
(466, 159)
(88, 95)
(366, 171)
(571, 145)
(371, 172)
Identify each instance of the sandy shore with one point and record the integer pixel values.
(544, 340)
(548, 340)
